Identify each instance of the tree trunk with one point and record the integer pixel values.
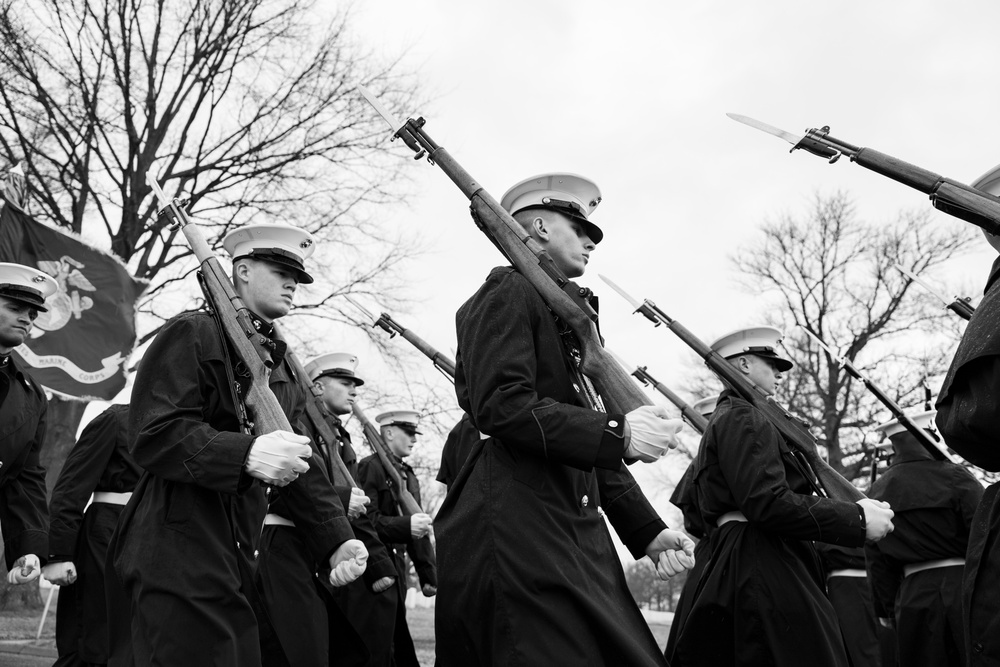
(63, 419)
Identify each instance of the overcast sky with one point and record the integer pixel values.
(634, 96)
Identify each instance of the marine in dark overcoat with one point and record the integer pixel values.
(188, 542)
(98, 463)
(969, 420)
(394, 531)
(529, 574)
(294, 564)
(370, 615)
(762, 599)
(24, 516)
(934, 503)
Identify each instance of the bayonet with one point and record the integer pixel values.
(954, 198)
(405, 130)
(647, 308)
(806, 142)
(387, 115)
(961, 306)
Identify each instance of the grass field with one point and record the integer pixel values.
(22, 625)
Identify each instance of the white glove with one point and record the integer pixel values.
(358, 503)
(878, 518)
(26, 568)
(383, 584)
(60, 574)
(652, 433)
(348, 562)
(420, 525)
(278, 457)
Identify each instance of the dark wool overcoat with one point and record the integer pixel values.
(969, 419)
(761, 599)
(528, 571)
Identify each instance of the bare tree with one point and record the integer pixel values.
(833, 274)
(245, 108)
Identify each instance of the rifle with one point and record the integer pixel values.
(564, 297)
(961, 306)
(957, 199)
(897, 412)
(693, 417)
(339, 473)
(251, 346)
(391, 327)
(407, 503)
(790, 427)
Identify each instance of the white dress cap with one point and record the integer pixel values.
(924, 420)
(706, 406)
(760, 340)
(570, 194)
(408, 419)
(27, 285)
(334, 364)
(281, 244)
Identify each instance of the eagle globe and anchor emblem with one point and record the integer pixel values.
(69, 301)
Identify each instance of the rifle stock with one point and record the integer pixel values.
(407, 503)
(249, 345)
(566, 299)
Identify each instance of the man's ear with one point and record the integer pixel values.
(540, 226)
(241, 270)
(743, 364)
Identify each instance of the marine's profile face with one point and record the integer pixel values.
(566, 242)
(338, 394)
(763, 372)
(269, 288)
(16, 318)
(400, 441)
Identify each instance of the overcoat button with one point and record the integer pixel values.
(613, 423)
(584, 501)
(977, 647)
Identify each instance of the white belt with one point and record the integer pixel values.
(730, 516)
(847, 572)
(112, 498)
(913, 568)
(275, 520)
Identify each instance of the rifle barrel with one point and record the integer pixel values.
(693, 417)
